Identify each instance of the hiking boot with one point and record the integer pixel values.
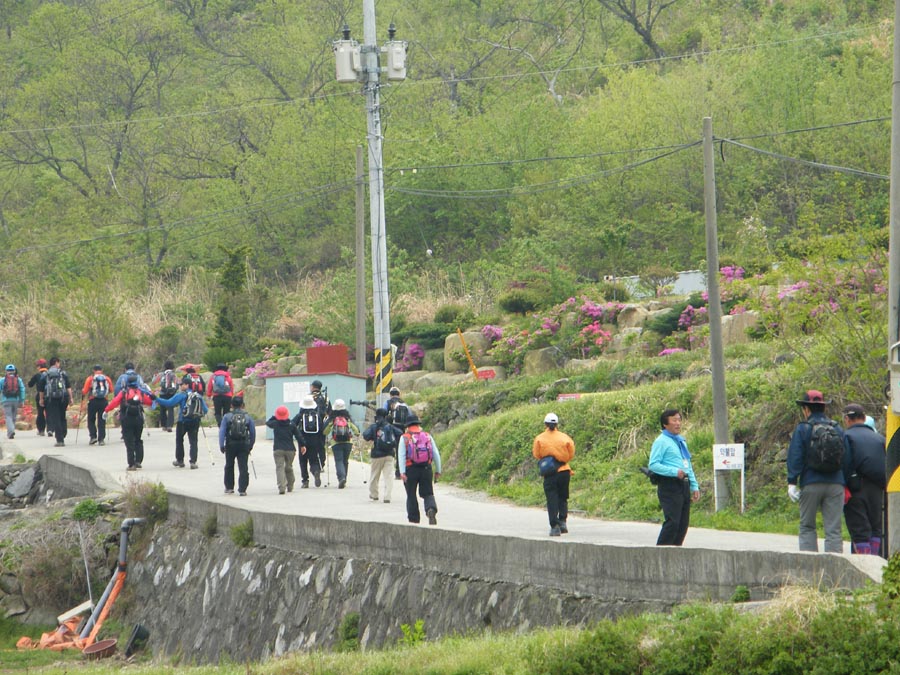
(342, 483)
(562, 527)
(93, 441)
(131, 468)
(180, 465)
(11, 435)
(290, 488)
(281, 492)
(555, 531)
(59, 444)
(304, 484)
(40, 433)
(242, 494)
(193, 465)
(374, 499)
(318, 478)
(229, 492)
(387, 501)
(137, 465)
(101, 443)
(432, 516)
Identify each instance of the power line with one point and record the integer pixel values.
(797, 160)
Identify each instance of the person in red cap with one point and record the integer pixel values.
(35, 381)
(284, 432)
(817, 457)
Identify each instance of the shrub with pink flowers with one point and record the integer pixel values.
(410, 358)
(265, 367)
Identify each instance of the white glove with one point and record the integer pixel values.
(103, 417)
(794, 493)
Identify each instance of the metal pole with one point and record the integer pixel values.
(716, 355)
(892, 533)
(360, 367)
(381, 300)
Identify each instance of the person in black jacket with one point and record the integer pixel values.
(866, 481)
(384, 437)
(284, 432)
(36, 381)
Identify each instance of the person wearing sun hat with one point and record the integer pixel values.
(283, 434)
(816, 490)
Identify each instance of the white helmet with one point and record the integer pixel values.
(551, 418)
(339, 404)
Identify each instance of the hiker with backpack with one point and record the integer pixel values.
(56, 394)
(220, 389)
(420, 468)
(677, 484)
(12, 396)
(196, 381)
(385, 437)
(191, 410)
(865, 482)
(341, 429)
(398, 412)
(311, 425)
(97, 388)
(816, 459)
(168, 387)
(283, 434)
(237, 436)
(131, 401)
(128, 376)
(40, 419)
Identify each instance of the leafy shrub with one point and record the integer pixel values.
(611, 648)
(429, 335)
(519, 301)
(147, 500)
(455, 315)
(242, 534)
(348, 633)
(741, 594)
(413, 635)
(210, 526)
(87, 510)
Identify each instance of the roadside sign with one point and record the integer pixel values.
(729, 457)
(568, 397)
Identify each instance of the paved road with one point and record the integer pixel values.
(459, 509)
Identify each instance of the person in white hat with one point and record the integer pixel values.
(312, 452)
(554, 443)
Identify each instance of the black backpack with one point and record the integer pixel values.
(825, 452)
(399, 412)
(169, 385)
(239, 428)
(386, 438)
(133, 405)
(55, 388)
(99, 386)
(309, 421)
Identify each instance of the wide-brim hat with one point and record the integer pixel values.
(308, 402)
(412, 419)
(813, 396)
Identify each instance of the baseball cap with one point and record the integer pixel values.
(551, 418)
(854, 410)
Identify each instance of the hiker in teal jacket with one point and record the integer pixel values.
(12, 395)
(341, 448)
(188, 421)
(677, 486)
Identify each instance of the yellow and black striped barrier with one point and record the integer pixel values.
(384, 371)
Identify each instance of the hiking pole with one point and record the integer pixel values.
(78, 422)
(212, 462)
(252, 466)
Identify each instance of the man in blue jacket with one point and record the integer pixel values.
(192, 408)
(237, 436)
(677, 486)
(816, 490)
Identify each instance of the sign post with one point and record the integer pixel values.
(729, 457)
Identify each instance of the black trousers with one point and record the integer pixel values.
(675, 500)
(166, 417)
(556, 490)
(314, 459)
(95, 423)
(132, 432)
(56, 418)
(239, 453)
(419, 477)
(221, 405)
(189, 427)
(41, 415)
(863, 513)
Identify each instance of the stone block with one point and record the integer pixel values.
(254, 402)
(284, 365)
(626, 341)
(735, 326)
(544, 360)
(434, 360)
(439, 379)
(632, 316)
(454, 357)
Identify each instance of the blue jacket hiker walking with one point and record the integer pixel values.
(191, 409)
(237, 436)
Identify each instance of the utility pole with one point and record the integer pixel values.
(892, 425)
(360, 365)
(360, 63)
(716, 352)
